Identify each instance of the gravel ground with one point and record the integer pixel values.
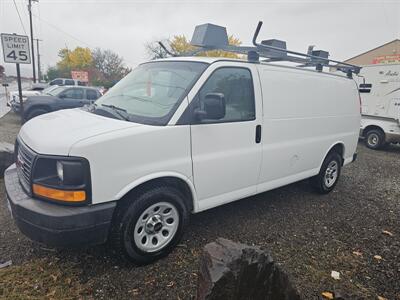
(309, 234)
(9, 127)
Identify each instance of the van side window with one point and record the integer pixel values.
(56, 82)
(69, 82)
(365, 87)
(237, 86)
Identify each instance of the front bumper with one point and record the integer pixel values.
(54, 224)
(15, 106)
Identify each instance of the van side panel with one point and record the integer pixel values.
(123, 159)
(305, 114)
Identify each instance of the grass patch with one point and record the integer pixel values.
(41, 279)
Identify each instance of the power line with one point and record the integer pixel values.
(70, 35)
(20, 19)
(62, 31)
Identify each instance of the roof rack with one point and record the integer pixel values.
(208, 37)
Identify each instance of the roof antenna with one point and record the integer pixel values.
(310, 49)
(166, 50)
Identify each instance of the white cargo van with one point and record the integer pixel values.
(380, 97)
(178, 136)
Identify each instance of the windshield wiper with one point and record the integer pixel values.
(114, 107)
(117, 111)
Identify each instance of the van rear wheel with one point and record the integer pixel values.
(329, 174)
(375, 139)
(151, 225)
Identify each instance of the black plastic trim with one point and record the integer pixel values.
(258, 134)
(87, 186)
(54, 224)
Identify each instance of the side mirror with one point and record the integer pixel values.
(212, 107)
(62, 96)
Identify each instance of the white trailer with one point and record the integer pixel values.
(379, 87)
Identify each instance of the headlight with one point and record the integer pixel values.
(62, 179)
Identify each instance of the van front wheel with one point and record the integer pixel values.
(329, 174)
(151, 226)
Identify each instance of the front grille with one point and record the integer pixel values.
(24, 161)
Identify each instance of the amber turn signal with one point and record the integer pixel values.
(61, 195)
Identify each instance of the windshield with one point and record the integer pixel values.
(49, 89)
(55, 91)
(152, 92)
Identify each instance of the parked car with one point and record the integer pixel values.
(14, 102)
(39, 86)
(379, 87)
(34, 90)
(66, 81)
(174, 137)
(57, 98)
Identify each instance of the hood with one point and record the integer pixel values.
(55, 133)
(26, 93)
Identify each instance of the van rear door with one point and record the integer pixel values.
(226, 153)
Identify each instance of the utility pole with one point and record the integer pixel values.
(38, 59)
(33, 48)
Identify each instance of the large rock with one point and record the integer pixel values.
(6, 157)
(233, 271)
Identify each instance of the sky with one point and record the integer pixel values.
(345, 28)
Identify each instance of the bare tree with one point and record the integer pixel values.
(109, 64)
(155, 51)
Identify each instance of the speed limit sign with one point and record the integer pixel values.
(15, 48)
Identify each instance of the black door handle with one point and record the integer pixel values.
(258, 134)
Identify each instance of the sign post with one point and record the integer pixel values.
(21, 104)
(5, 90)
(16, 50)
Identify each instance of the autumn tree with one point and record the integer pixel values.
(179, 44)
(77, 59)
(53, 72)
(110, 65)
(105, 67)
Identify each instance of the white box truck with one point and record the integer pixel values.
(178, 136)
(379, 87)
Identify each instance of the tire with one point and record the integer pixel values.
(375, 139)
(36, 112)
(141, 232)
(329, 174)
